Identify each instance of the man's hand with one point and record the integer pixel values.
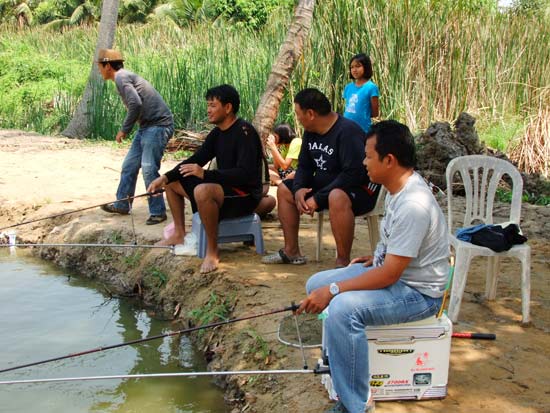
(157, 184)
(366, 259)
(192, 169)
(316, 302)
(312, 205)
(120, 136)
(300, 199)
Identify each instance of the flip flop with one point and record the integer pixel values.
(281, 258)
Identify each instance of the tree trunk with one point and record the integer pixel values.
(290, 52)
(79, 127)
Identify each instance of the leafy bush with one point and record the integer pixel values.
(45, 12)
(251, 14)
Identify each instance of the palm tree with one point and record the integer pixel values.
(79, 127)
(290, 52)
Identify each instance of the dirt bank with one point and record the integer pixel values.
(40, 176)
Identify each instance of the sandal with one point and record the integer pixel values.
(155, 219)
(281, 258)
(114, 210)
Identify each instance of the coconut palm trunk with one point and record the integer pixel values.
(278, 80)
(79, 126)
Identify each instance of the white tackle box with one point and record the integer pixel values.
(407, 361)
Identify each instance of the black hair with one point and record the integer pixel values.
(364, 60)
(285, 132)
(313, 99)
(394, 138)
(115, 64)
(225, 94)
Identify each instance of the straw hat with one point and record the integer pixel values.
(109, 55)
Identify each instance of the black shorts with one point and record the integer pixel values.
(236, 202)
(363, 197)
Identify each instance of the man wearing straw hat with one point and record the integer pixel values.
(403, 282)
(145, 107)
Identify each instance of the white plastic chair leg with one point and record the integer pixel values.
(525, 286)
(491, 281)
(460, 275)
(320, 217)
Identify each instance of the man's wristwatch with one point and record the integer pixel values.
(334, 289)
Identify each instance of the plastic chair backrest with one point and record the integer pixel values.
(380, 203)
(480, 175)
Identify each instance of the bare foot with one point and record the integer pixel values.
(173, 240)
(341, 262)
(209, 264)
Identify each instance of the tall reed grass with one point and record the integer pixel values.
(432, 60)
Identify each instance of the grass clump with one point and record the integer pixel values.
(157, 274)
(133, 260)
(217, 308)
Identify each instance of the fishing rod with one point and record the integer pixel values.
(292, 307)
(316, 370)
(128, 198)
(90, 245)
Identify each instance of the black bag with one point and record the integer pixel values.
(497, 238)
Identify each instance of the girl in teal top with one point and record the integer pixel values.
(361, 95)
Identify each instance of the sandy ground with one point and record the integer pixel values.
(40, 176)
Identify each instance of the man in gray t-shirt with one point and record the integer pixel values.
(403, 282)
(145, 107)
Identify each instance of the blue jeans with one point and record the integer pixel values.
(349, 313)
(145, 153)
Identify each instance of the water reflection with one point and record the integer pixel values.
(46, 314)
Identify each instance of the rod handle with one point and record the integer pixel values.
(157, 192)
(476, 336)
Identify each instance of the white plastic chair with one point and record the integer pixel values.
(372, 220)
(480, 176)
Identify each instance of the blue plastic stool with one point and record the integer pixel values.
(247, 228)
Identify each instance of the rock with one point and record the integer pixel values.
(466, 134)
(439, 143)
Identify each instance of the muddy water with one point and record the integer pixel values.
(45, 313)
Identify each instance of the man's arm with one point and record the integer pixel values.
(304, 173)
(375, 279)
(201, 157)
(131, 99)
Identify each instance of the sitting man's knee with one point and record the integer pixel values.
(284, 193)
(201, 192)
(206, 192)
(338, 199)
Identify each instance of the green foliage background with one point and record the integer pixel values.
(431, 60)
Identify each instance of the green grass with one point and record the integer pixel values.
(498, 135)
(217, 308)
(133, 260)
(158, 274)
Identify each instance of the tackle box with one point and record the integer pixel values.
(406, 361)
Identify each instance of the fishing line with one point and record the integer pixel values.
(131, 212)
(83, 209)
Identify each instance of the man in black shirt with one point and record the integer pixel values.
(330, 176)
(232, 190)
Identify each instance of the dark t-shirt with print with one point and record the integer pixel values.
(333, 160)
(238, 152)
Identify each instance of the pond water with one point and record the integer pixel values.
(45, 312)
